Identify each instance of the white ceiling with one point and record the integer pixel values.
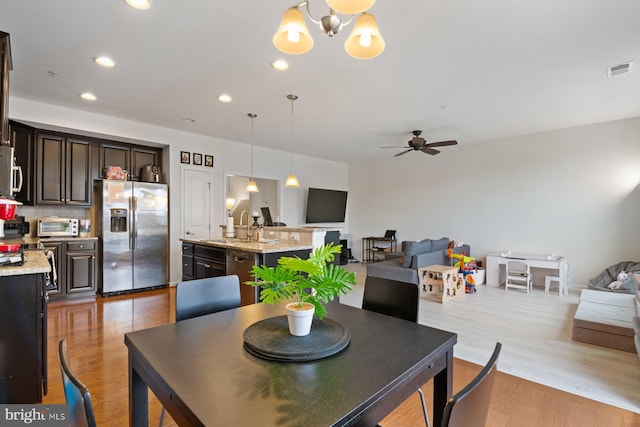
(458, 69)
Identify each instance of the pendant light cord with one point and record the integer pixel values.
(253, 116)
(292, 99)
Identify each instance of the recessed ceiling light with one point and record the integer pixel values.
(139, 4)
(188, 120)
(105, 61)
(280, 64)
(224, 98)
(88, 96)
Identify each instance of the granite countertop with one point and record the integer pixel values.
(251, 245)
(34, 262)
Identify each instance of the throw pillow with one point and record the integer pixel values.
(414, 248)
(440, 244)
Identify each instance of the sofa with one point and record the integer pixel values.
(404, 266)
(609, 319)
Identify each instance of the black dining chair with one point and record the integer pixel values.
(76, 393)
(391, 297)
(470, 406)
(205, 296)
(396, 299)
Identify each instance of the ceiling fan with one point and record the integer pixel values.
(418, 143)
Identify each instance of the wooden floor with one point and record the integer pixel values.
(95, 334)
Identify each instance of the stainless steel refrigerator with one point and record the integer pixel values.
(133, 222)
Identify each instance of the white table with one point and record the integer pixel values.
(495, 276)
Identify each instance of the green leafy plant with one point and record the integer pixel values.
(304, 280)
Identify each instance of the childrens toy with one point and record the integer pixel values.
(467, 266)
(622, 276)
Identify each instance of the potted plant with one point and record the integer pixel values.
(307, 283)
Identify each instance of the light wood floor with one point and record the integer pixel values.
(535, 330)
(95, 334)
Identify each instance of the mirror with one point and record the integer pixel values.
(252, 202)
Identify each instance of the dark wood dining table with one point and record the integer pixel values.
(202, 374)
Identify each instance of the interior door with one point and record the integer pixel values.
(196, 204)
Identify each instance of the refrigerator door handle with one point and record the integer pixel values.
(131, 225)
(134, 229)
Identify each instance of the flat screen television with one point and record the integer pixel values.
(325, 205)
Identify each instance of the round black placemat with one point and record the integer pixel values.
(270, 339)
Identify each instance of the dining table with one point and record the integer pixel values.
(201, 372)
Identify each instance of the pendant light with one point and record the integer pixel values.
(292, 180)
(252, 187)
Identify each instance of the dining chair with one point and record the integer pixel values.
(470, 406)
(205, 296)
(518, 275)
(199, 297)
(391, 297)
(396, 299)
(76, 394)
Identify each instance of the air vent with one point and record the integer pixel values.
(620, 69)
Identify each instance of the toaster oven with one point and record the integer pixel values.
(57, 227)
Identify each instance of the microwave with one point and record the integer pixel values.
(57, 227)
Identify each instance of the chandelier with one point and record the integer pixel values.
(365, 41)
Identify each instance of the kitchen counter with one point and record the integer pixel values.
(251, 245)
(34, 262)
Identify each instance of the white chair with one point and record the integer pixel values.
(518, 275)
(547, 283)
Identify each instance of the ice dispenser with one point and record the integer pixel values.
(118, 220)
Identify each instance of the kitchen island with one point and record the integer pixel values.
(219, 257)
(23, 330)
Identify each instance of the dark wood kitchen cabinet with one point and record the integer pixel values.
(129, 157)
(63, 170)
(200, 261)
(23, 339)
(5, 67)
(23, 141)
(76, 267)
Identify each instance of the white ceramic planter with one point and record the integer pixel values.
(299, 320)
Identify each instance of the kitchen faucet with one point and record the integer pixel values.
(248, 226)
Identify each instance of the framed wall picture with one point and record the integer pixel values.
(208, 161)
(197, 159)
(185, 157)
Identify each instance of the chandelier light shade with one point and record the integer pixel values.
(252, 187)
(365, 40)
(293, 35)
(350, 7)
(230, 203)
(292, 179)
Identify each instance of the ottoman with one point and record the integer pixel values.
(605, 319)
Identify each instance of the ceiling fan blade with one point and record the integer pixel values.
(431, 151)
(403, 152)
(396, 146)
(441, 143)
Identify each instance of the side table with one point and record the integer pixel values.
(442, 278)
(369, 250)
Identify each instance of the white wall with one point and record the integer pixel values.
(229, 157)
(574, 192)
